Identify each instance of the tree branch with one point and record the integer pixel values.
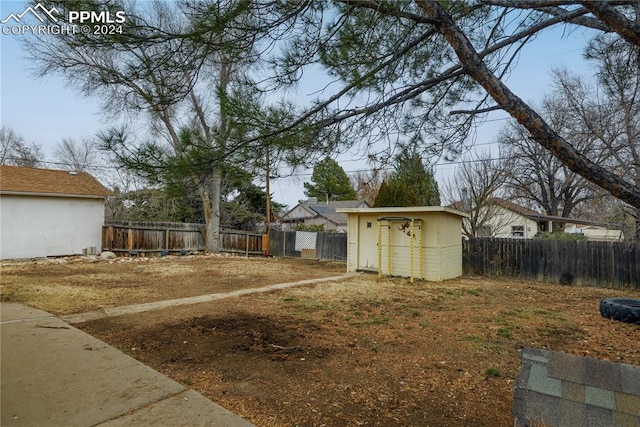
(387, 9)
(478, 111)
(553, 8)
(539, 129)
(617, 21)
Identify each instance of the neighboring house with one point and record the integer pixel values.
(504, 219)
(47, 212)
(321, 214)
(509, 220)
(595, 231)
(501, 218)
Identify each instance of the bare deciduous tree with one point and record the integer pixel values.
(367, 184)
(609, 113)
(77, 156)
(477, 183)
(14, 151)
(538, 177)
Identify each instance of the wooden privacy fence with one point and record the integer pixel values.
(149, 238)
(332, 246)
(604, 264)
(326, 246)
(241, 242)
(154, 238)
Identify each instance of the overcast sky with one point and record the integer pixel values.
(46, 110)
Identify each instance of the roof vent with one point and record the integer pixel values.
(73, 173)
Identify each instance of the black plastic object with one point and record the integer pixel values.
(622, 309)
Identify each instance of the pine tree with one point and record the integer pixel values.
(329, 182)
(411, 184)
(396, 194)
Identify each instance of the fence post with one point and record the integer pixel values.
(129, 239)
(110, 238)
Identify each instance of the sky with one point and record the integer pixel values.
(46, 110)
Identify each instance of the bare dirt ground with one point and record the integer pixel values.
(358, 352)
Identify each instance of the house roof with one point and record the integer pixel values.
(520, 210)
(343, 204)
(327, 211)
(535, 216)
(49, 182)
(530, 213)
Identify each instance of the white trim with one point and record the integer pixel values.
(62, 195)
(403, 209)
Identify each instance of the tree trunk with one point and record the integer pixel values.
(210, 192)
(213, 242)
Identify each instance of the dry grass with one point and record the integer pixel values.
(368, 351)
(61, 298)
(77, 284)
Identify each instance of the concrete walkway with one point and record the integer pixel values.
(53, 374)
(150, 306)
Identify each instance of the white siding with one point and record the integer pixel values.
(328, 225)
(401, 252)
(592, 232)
(49, 226)
(441, 245)
(449, 227)
(450, 249)
(352, 244)
(503, 220)
(450, 262)
(298, 213)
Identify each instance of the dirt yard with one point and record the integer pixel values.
(358, 352)
(79, 284)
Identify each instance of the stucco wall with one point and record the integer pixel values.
(49, 226)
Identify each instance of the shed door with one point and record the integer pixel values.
(367, 244)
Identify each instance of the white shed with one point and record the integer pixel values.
(417, 242)
(46, 212)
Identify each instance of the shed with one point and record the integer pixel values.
(422, 242)
(45, 212)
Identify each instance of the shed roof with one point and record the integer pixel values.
(49, 182)
(405, 210)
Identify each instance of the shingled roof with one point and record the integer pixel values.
(327, 211)
(520, 210)
(49, 182)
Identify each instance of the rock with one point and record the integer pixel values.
(107, 255)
